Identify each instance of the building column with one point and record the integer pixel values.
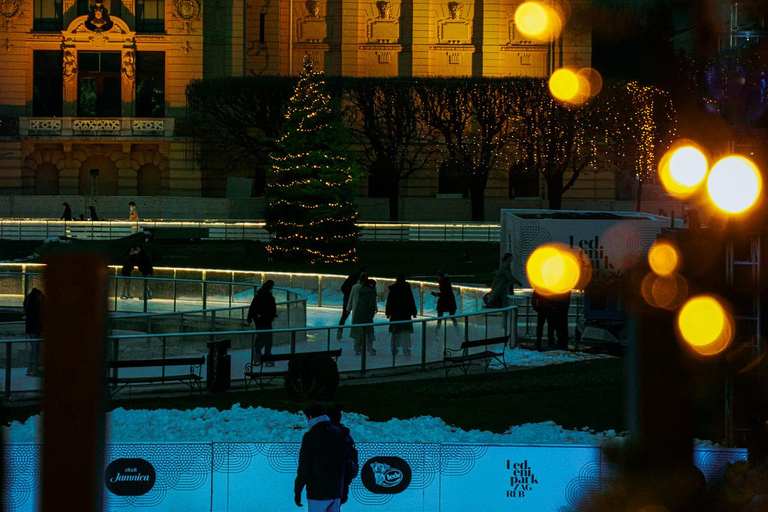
(486, 38)
(350, 40)
(128, 83)
(422, 28)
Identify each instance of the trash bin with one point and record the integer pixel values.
(219, 368)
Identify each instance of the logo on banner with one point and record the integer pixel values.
(129, 477)
(386, 475)
(594, 250)
(522, 479)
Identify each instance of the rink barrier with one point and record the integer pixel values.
(41, 229)
(394, 477)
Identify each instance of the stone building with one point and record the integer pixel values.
(92, 95)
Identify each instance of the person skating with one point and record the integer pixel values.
(503, 284)
(364, 309)
(262, 313)
(145, 267)
(133, 213)
(33, 305)
(322, 463)
(446, 301)
(92, 214)
(67, 214)
(401, 306)
(346, 290)
(131, 261)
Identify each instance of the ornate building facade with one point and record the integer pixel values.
(92, 95)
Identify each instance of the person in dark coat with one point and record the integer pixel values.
(131, 261)
(262, 313)
(503, 284)
(560, 306)
(401, 306)
(446, 301)
(322, 463)
(353, 461)
(33, 305)
(92, 214)
(67, 215)
(363, 311)
(545, 314)
(346, 290)
(145, 267)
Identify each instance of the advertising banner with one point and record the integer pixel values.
(394, 477)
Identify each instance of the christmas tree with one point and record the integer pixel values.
(310, 210)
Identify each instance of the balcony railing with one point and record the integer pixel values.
(96, 126)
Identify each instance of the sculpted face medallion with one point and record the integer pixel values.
(188, 9)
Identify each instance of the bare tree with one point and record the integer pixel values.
(473, 119)
(385, 118)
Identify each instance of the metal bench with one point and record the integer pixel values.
(463, 359)
(251, 372)
(193, 379)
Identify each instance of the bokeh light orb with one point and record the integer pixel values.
(593, 79)
(682, 170)
(532, 19)
(734, 184)
(664, 258)
(665, 292)
(705, 325)
(553, 269)
(564, 85)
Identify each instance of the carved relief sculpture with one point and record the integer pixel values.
(98, 19)
(385, 28)
(10, 10)
(312, 28)
(385, 10)
(188, 11)
(454, 29)
(313, 8)
(129, 65)
(69, 68)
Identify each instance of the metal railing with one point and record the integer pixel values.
(40, 229)
(430, 339)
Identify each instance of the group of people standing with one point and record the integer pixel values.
(133, 213)
(137, 258)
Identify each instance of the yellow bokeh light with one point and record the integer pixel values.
(682, 170)
(664, 258)
(594, 80)
(666, 292)
(538, 21)
(531, 19)
(553, 269)
(564, 85)
(705, 325)
(734, 184)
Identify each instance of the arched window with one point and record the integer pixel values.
(103, 183)
(46, 180)
(148, 180)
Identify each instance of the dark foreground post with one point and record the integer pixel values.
(73, 384)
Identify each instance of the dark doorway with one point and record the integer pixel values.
(98, 88)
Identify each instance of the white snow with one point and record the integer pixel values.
(249, 424)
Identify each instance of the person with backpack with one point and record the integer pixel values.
(323, 460)
(352, 467)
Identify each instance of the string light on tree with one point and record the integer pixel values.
(310, 211)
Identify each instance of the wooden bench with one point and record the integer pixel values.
(193, 379)
(462, 358)
(251, 372)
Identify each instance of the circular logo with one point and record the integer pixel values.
(129, 477)
(386, 475)
(9, 8)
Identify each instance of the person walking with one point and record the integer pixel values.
(353, 292)
(145, 267)
(130, 263)
(352, 467)
(67, 215)
(92, 214)
(364, 309)
(133, 213)
(401, 306)
(544, 314)
(346, 290)
(503, 284)
(322, 462)
(33, 305)
(262, 313)
(446, 301)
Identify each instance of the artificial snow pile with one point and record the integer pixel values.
(206, 425)
(531, 359)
